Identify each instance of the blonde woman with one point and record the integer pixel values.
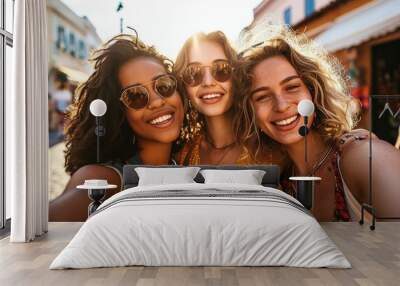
(280, 73)
(205, 68)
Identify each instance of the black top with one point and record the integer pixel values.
(119, 164)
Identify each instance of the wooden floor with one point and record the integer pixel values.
(375, 257)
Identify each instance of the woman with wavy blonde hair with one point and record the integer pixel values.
(277, 75)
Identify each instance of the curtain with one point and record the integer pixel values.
(27, 124)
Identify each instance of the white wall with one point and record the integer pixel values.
(275, 9)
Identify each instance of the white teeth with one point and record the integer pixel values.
(286, 121)
(161, 119)
(211, 95)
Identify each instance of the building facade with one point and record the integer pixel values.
(71, 39)
(289, 12)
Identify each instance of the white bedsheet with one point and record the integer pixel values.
(185, 231)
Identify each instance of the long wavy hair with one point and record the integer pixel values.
(194, 122)
(103, 84)
(323, 75)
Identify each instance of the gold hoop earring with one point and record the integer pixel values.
(194, 124)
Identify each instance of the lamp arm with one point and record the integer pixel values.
(97, 139)
(305, 137)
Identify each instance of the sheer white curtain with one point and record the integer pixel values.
(27, 124)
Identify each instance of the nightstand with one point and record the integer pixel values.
(305, 190)
(96, 191)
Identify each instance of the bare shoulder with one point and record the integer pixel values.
(78, 201)
(94, 172)
(357, 143)
(355, 148)
(354, 163)
(90, 170)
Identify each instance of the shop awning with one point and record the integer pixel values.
(370, 21)
(74, 75)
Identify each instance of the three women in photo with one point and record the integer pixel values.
(224, 109)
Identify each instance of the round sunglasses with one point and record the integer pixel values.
(137, 96)
(221, 70)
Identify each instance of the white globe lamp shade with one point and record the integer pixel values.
(98, 107)
(305, 107)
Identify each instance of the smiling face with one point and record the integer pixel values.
(210, 97)
(161, 119)
(276, 91)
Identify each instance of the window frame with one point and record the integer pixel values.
(72, 44)
(309, 7)
(62, 41)
(6, 39)
(287, 15)
(81, 49)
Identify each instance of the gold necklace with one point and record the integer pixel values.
(226, 149)
(320, 161)
(209, 142)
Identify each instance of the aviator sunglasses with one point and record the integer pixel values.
(137, 96)
(221, 70)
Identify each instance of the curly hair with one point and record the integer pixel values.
(323, 75)
(103, 84)
(194, 122)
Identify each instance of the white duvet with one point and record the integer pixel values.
(206, 230)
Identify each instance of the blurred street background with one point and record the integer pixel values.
(363, 34)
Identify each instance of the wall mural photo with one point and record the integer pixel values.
(261, 93)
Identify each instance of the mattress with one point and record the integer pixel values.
(201, 225)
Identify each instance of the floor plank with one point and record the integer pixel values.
(374, 255)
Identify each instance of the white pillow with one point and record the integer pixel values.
(248, 177)
(162, 176)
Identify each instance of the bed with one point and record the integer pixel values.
(201, 224)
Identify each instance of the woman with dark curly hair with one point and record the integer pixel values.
(281, 72)
(143, 120)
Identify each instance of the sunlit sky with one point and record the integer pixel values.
(167, 24)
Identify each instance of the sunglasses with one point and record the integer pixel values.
(137, 96)
(221, 70)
